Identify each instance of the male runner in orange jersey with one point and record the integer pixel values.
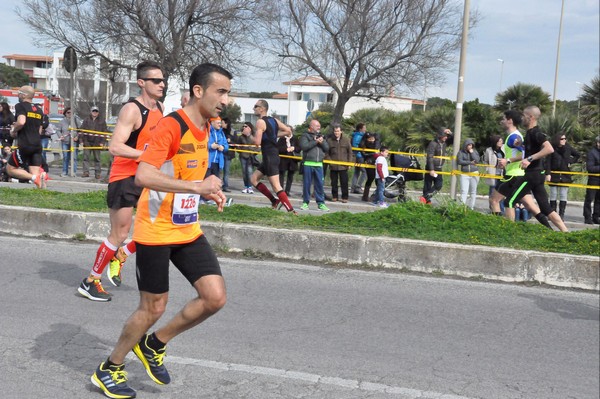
(172, 171)
(131, 134)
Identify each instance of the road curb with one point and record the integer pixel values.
(478, 262)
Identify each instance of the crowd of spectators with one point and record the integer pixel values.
(317, 156)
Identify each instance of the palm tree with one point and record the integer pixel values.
(590, 104)
(562, 122)
(427, 125)
(520, 96)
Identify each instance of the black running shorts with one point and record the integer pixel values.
(26, 156)
(513, 188)
(123, 193)
(194, 260)
(270, 164)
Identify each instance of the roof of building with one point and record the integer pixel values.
(307, 81)
(24, 57)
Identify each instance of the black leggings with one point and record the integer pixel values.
(536, 180)
(370, 178)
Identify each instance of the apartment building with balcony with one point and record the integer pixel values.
(94, 82)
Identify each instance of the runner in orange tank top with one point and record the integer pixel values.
(136, 120)
(172, 170)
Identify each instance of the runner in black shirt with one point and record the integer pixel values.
(268, 130)
(537, 147)
(27, 130)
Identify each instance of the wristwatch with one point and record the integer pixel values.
(530, 159)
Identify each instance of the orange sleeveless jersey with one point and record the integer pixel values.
(181, 155)
(123, 168)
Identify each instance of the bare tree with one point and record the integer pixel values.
(364, 47)
(178, 34)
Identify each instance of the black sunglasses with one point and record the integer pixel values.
(156, 81)
(563, 138)
(257, 106)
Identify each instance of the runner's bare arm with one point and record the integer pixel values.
(283, 130)
(260, 129)
(129, 120)
(21, 119)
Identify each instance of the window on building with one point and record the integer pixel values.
(323, 97)
(305, 96)
(298, 96)
(43, 64)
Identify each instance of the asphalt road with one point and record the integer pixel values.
(300, 331)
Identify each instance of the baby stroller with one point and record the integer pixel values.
(395, 183)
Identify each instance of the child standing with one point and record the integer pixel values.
(381, 171)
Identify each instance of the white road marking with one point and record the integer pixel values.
(408, 393)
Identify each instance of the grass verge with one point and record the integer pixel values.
(452, 223)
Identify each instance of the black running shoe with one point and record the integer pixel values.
(152, 361)
(113, 381)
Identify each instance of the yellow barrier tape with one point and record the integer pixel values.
(572, 185)
(560, 172)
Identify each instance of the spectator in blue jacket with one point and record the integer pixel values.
(217, 146)
(360, 174)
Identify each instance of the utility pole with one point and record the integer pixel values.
(562, 10)
(501, 72)
(460, 95)
(70, 64)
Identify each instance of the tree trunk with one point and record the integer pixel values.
(338, 111)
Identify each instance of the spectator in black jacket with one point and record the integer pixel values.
(6, 120)
(288, 146)
(560, 161)
(592, 194)
(436, 150)
(369, 142)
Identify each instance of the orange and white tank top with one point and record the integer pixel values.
(180, 150)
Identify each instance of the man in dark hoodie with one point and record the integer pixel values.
(436, 150)
(592, 194)
(467, 159)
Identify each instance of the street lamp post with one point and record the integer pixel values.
(501, 71)
(579, 84)
(562, 10)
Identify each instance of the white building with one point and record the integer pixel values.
(293, 107)
(93, 88)
(47, 75)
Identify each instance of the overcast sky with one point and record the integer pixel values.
(523, 33)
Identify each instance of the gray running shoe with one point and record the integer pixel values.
(93, 291)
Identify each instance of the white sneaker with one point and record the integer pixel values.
(250, 191)
(245, 191)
